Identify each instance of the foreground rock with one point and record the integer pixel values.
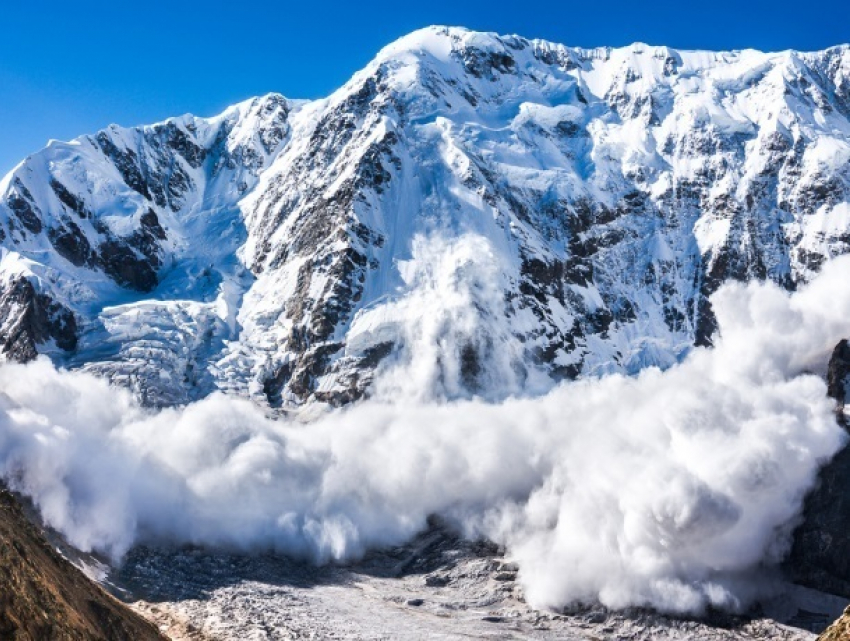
(838, 631)
(43, 597)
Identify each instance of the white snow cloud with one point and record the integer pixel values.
(667, 489)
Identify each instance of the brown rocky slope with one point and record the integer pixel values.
(43, 597)
(838, 631)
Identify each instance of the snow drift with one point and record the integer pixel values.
(671, 488)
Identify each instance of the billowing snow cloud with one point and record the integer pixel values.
(668, 489)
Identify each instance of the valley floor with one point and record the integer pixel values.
(436, 587)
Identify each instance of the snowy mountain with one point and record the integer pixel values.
(554, 211)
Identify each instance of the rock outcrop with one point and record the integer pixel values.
(838, 631)
(45, 598)
(820, 556)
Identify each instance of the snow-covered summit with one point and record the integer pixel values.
(557, 211)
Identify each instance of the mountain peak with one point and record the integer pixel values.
(291, 233)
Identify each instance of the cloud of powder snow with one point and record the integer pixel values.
(666, 489)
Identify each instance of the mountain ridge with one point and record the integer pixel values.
(277, 228)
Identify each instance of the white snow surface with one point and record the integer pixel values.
(638, 178)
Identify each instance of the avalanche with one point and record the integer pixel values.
(674, 489)
(514, 255)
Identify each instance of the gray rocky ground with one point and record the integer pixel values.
(436, 587)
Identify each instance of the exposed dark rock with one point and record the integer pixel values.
(273, 385)
(470, 366)
(541, 279)
(556, 57)
(150, 223)
(436, 581)
(483, 64)
(811, 260)
(72, 202)
(125, 267)
(274, 131)
(127, 163)
(569, 129)
(145, 240)
(72, 244)
(492, 618)
(376, 354)
(837, 378)
(181, 143)
(820, 555)
(29, 318)
(20, 202)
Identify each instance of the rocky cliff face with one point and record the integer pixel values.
(583, 203)
(43, 597)
(820, 556)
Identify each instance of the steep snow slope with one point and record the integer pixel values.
(497, 210)
(120, 248)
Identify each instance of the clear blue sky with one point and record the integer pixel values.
(72, 67)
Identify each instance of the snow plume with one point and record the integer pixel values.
(451, 328)
(668, 489)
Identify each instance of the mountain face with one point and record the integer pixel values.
(558, 210)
